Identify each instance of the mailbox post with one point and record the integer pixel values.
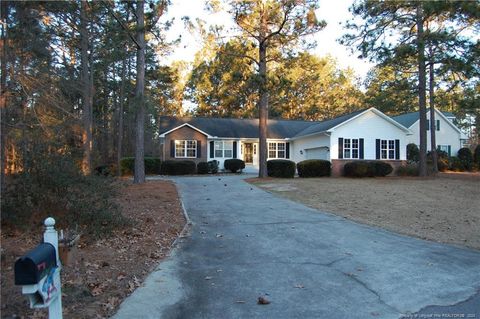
(39, 273)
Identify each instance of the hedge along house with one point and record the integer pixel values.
(448, 137)
(367, 134)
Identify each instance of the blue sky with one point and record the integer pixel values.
(332, 11)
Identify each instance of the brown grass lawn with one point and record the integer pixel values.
(444, 209)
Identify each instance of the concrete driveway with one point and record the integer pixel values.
(245, 243)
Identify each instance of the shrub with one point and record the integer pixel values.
(382, 168)
(465, 155)
(178, 168)
(408, 170)
(52, 184)
(127, 165)
(413, 152)
(152, 165)
(359, 169)
(213, 166)
(202, 168)
(443, 164)
(314, 168)
(280, 168)
(456, 164)
(234, 165)
(106, 170)
(476, 156)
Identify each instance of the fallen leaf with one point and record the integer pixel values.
(299, 286)
(263, 301)
(208, 278)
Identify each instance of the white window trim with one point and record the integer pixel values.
(185, 149)
(222, 149)
(388, 149)
(276, 150)
(351, 148)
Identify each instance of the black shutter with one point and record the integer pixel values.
(340, 147)
(199, 149)
(428, 125)
(377, 148)
(361, 148)
(235, 149)
(212, 149)
(287, 150)
(172, 148)
(449, 150)
(438, 125)
(397, 149)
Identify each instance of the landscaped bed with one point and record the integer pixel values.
(444, 209)
(107, 270)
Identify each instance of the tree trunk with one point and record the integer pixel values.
(263, 111)
(3, 97)
(433, 126)
(422, 99)
(139, 174)
(86, 93)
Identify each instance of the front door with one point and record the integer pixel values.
(248, 153)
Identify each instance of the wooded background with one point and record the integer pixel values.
(70, 80)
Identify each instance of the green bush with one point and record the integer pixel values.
(314, 168)
(152, 165)
(413, 152)
(476, 156)
(106, 170)
(234, 165)
(408, 170)
(178, 168)
(359, 169)
(382, 168)
(367, 169)
(202, 168)
(443, 164)
(213, 167)
(281, 168)
(53, 185)
(127, 165)
(456, 164)
(465, 155)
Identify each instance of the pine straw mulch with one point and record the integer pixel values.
(106, 271)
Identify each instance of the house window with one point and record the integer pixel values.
(186, 149)
(387, 149)
(350, 148)
(224, 149)
(276, 150)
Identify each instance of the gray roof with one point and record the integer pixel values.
(248, 128)
(408, 119)
(235, 128)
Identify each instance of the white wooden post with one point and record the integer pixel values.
(51, 236)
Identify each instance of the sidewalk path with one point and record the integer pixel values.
(247, 243)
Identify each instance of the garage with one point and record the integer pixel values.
(317, 153)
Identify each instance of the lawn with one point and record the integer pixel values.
(443, 209)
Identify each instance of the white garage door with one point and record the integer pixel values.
(317, 153)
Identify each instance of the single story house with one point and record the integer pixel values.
(366, 134)
(448, 136)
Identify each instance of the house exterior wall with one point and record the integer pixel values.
(370, 127)
(447, 135)
(186, 133)
(221, 160)
(300, 148)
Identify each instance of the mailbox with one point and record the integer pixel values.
(35, 265)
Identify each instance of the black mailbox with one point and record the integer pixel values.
(32, 267)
